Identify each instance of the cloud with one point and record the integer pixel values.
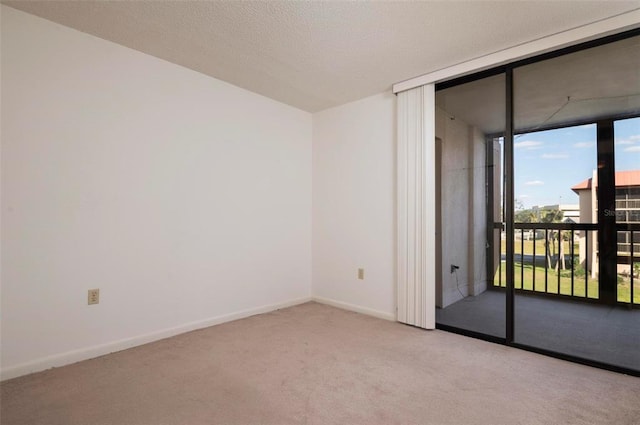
(581, 145)
(631, 140)
(534, 183)
(527, 144)
(632, 149)
(554, 156)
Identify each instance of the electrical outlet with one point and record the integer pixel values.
(361, 274)
(93, 297)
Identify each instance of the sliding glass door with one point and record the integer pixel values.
(468, 151)
(568, 299)
(627, 163)
(560, 178)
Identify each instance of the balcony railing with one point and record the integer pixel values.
(627, 204)
(624, 248)
(561, 259)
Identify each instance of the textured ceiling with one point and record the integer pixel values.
(315, 55)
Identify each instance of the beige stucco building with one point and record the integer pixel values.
(627, 210)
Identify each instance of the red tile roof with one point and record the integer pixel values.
(583, 185)
(623, 178)
(628, 178)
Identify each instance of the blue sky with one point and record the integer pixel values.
(549, 163)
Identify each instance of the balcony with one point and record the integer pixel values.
(628, 204)
(603, 333)
(561, 260)
(557, 305)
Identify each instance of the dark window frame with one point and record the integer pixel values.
(604, 139)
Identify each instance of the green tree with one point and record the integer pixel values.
(526, 216)
(554, 216)
(545, 216)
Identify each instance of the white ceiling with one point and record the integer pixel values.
(315, 54)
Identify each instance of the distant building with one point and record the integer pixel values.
(627, 211)
(570, 212)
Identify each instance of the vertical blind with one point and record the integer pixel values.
(416, 217)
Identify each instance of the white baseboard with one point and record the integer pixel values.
(356, 308)
(110, 347)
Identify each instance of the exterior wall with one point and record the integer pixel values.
(477, 213)
(585, 217)
(593, 241)
(628, 211)
(588, 214)
(498, 234)
(462, 210)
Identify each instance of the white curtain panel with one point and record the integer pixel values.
(416, 260)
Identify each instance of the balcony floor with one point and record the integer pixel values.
(596, 332)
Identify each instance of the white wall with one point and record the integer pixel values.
(354, 178)
(184, 199)
(354, 205)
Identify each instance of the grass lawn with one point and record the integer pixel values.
(528, 247)
(524, 277)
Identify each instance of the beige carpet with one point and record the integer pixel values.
(314, 364)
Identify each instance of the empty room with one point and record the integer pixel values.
(319, 212)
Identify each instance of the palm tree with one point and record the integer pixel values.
(554, 216)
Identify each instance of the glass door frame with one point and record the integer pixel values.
(607, 230)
